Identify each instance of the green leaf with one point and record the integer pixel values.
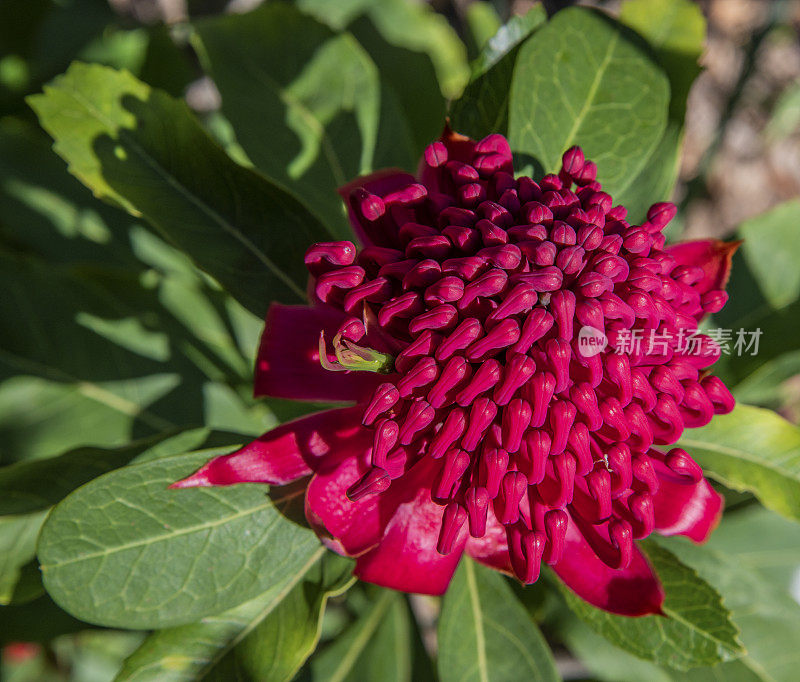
(410, 89)
(312, 122)
(586, 80)
(695, 630)
(483, 22)
(483, 107)
(143, 150)
(127, 551)
(768, 616)
(611, 664)
(273, 633)
(36, 485)
(761, 542)
(98, 357)
(676, 31)
(40, 418)
(771, 250)
(485, 634)
(277, 648)
(752, 449)
(17, 548)
(406, 24)
(656, 181)
(377, 646)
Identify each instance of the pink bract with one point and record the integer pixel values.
(488, 428)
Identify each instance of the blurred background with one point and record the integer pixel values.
(93, 304)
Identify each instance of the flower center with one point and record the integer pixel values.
(478, 290)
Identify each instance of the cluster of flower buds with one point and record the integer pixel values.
(478, 283)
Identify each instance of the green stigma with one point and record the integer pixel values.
(352, 357)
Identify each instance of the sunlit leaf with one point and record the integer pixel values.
(587, 80)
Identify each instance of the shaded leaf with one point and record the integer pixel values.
(483, 107)
(126, 551)
(761, 542)
(17, 548)
(36, 485)
(695, 630)
(771, 249)
(312, 122)
(406, 24)
(377, 646)
(485, 634)
(676, 29)
(586, 80)
(143, 150)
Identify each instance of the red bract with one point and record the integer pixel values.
(484, 425)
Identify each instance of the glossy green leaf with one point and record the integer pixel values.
(143, 150)
(695, 630)
(312, 122)
(272, 634)
(587, 80)
(752, 449)
(485, 634)
(771, 249)
(483, 107)
(377, 646)
(127, 551)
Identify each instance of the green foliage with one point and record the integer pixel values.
(313, 122)
(486, 634)
(133, 299)
(126, 551)
(144, 151)
(752, 449)
(771, 250)
(376, 646)
(483, 107)
(586, 80)
(696, 631)
(269, 636)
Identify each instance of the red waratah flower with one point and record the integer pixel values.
(480, 424)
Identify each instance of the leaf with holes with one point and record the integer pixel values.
(587, 80)
(486, 635)
(143, 150)
(127, 551)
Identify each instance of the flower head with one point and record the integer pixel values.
(506, 408)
